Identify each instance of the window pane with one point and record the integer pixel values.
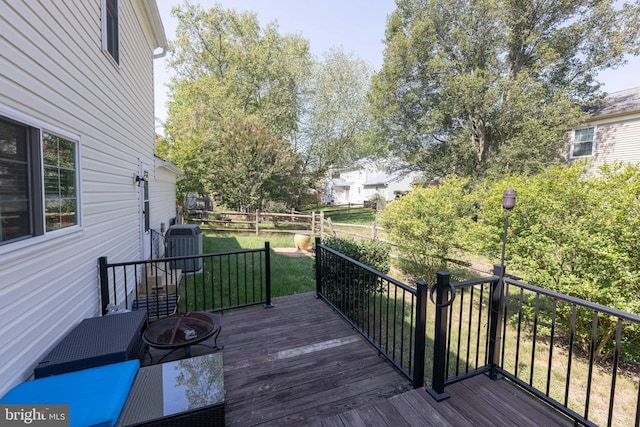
(583, 142)
(583, 149)
(53, 215)
(15, 218)
(60, 190)
(112, 29)
(584, 135)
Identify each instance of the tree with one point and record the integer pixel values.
(254, 166)
(490, 87)
(334, 122)
(227, 67)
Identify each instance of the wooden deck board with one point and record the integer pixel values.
(299, 363)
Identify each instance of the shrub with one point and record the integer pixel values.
(428, 223)
(576, 234)
(372, 253)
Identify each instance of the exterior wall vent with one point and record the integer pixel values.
(184, 240)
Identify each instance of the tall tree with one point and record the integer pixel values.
(482, 87)
(227, 67)
(254, 166)
(334, 122)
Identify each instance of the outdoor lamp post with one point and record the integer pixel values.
(508, 202)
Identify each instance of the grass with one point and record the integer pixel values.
(289, 275)
(359, 216)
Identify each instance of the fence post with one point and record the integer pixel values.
(321, 223)
(440, 340)
(318, 268)
(257, 222)
(313, 223)
(267, 269)
(420, 331)
(104, 283)
(495, 329)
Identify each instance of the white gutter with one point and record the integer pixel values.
(151, 9)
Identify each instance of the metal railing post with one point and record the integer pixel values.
(318, 268)
(104, 283)
(420, 331)
(267, 260)
(495, 328)
(440, 339)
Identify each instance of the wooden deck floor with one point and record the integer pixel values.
(299, 363)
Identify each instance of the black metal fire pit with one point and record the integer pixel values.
(182, 330)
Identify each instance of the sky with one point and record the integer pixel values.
(356, 26)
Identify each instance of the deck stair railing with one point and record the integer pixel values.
(222, 281)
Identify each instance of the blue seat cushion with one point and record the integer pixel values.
(95, 396)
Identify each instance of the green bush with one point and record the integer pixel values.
(352, 289)
(428, 223)
(573, 233)
(570, 232)
(372, 253)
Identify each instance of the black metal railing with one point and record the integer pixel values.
(464, 330)
(388, 313)
(582, 358)
(214, 282)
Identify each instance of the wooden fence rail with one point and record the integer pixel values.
(273, 222)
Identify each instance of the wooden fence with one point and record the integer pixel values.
(295, 222)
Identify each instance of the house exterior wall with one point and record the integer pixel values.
(616, 132)
(357, 192)
(616, 139)
(163, 204)
(54, 75)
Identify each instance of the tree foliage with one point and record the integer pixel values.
(490, 87)
(253, 167)
(227, 67)
(569, 232)
(428, 223)
(577, 235)
(334, 119)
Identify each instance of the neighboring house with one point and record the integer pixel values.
(78, 175)
(612, 134)
(362, 184)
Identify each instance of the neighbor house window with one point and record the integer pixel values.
(583, 142)
(38, 181)
(110, 38)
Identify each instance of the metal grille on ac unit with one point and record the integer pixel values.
(184, 240)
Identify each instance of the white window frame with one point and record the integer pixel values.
(593, 142)
(41, 127)
(106, 36)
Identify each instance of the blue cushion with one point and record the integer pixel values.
(95, 396)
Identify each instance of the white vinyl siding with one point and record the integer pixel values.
(617, 141)
(54, 71)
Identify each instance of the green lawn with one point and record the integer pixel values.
(289, 275)
(360, 216)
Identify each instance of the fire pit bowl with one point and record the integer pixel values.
(181, 330)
